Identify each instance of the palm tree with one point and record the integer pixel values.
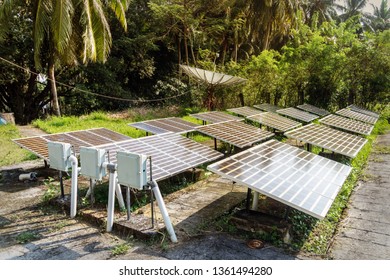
(326, 10)
(270, 21)
(352, 8)
(381, 18)
(68, 32)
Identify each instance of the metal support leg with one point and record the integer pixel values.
(128, 203)
(248, 198)
(255, 202)
(61, 184)
(163, 211)
(152, 206)
(215, 143)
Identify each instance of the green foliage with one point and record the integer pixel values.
(120, 249)
(26, 237)
(52, 190)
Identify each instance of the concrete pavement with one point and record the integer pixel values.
(365, 231)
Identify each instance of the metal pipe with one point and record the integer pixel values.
(111, 198)
(73, 192)
(119, 196)
(163, 210)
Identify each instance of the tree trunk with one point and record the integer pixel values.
(53, 89)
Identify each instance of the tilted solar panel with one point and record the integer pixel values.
(357, 116)
(293, 176)
(159, 126)
(275, 121)
(347, 124)
(216, 117)
(245, 111)
(297, 114)
(363, 111)
(171, 153)
(332, 139)
(313, 109)
(90, 137)
(267, 107)
(238, 134)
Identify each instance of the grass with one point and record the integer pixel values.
(10, 153)
(120, 249)
(26, 237)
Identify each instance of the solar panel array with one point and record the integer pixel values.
(159, 126)
(363, 111)
(297, 114)
(267, 107)
(238, 134)
(86, 138)
(313, 109)
(274, 121)
(332, 139)
(245, 111)
(171, 153)
(293, 176)
(357, 116)
(216, 117)
(347, 124)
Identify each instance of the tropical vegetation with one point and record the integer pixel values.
(114, 55)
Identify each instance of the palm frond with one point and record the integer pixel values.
(119, 8)
(43, 9)
(61, 24)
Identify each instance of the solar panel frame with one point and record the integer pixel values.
(347, 124)
(267, 107)
(297, 114)
(363, 111)
(275, 121)
(171, 153)
(331, 139)
(356, 116)
(238, 134)
(88, 138)
(293, 176)
(216, 117)
(313, 109)
(158, 126)
(245, 111)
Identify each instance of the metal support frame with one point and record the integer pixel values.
(61, 184)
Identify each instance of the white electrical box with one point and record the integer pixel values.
(59, 154)
(131, 169)
(91, 160)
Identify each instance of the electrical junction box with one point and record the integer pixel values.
(59, 154)
(131, 169)
(91, 160)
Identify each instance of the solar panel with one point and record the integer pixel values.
(313, 109)
(347, 124)
(267, 107)
(91, 137)
(238, 134)
(274, 121)
(293, 176)
(159, 126)
(297, 114)
(363, 111)
(357, 116)
(171, 153)
(245, 111)
(332, 139)
(216, 117)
